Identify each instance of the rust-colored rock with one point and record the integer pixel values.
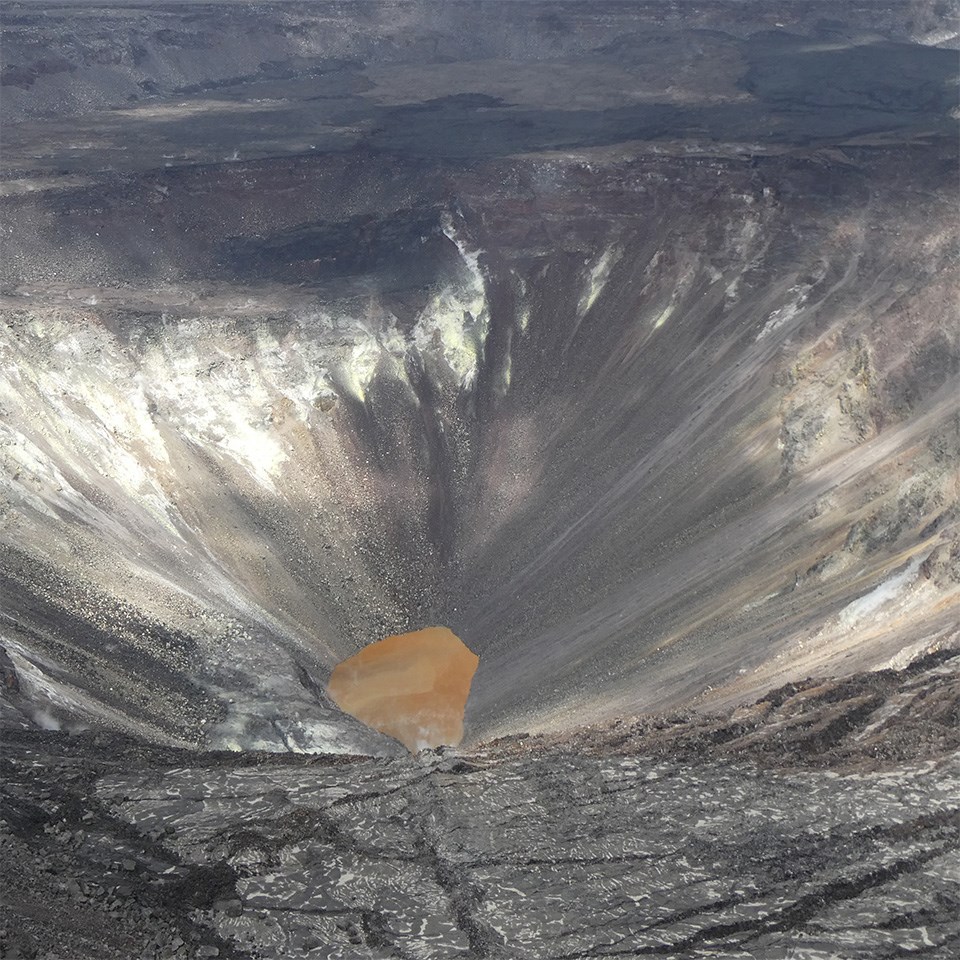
(412, 686)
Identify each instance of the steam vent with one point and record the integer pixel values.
(479, 479)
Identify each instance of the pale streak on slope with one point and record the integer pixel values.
(454, 325)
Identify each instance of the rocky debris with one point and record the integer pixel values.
(942, 566)
(822, 818)
(77, 882)
(852, 724)
(8, 674)
(232, 908)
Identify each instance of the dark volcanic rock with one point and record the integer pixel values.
(746, 835)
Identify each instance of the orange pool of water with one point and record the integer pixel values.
(412, 686)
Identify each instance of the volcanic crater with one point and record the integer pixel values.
(620, 339)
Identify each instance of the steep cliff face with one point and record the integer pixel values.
(633, 429)
(649, 395)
